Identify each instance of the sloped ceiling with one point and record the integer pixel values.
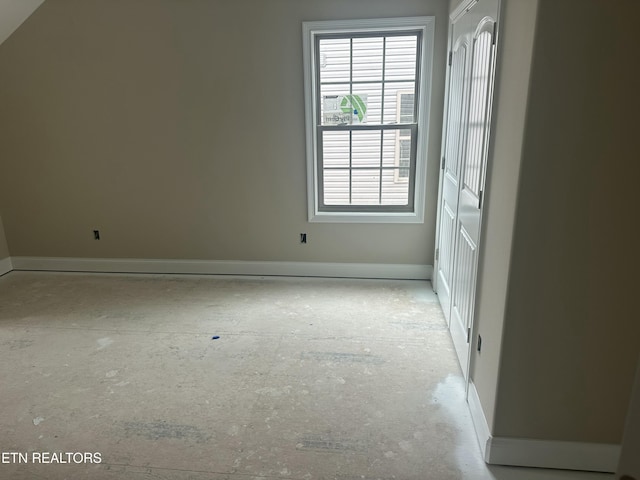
(13, 13)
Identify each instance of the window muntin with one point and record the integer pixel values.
(365, 163)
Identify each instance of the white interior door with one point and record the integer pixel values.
(456, 120)
(472, 65)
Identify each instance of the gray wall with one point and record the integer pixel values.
(571, 333)
(177, 128)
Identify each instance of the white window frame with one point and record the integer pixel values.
(310, 30)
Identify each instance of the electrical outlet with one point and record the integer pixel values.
(303, 238)
(96, 234)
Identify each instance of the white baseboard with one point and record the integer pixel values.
(526, 452)
(219, 267)
(483, 432)
(5, 265)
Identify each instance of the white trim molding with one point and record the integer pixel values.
(220, 267)
(526, 452)
(483, 432)
(463, 7)
(5, 265)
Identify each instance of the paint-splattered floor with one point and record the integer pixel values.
(309, 379)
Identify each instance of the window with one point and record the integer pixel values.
(367, 86)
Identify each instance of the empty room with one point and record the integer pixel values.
(328, 239)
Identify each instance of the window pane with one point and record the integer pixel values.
(404, 156)
(335, 149)
(365, 147)
(339, 107)
(400, 58)
(394, 94)
(393, 191)
(389, 148)
(397, 150)
(406, 108)
(334, 60)
(366, 187)
(372, 93)
(330, 112)
(367, 59)
(336, 187)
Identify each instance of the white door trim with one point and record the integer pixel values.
(460, 9)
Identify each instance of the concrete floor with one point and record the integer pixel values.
(310, 379)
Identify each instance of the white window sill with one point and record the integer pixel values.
(365, 217)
